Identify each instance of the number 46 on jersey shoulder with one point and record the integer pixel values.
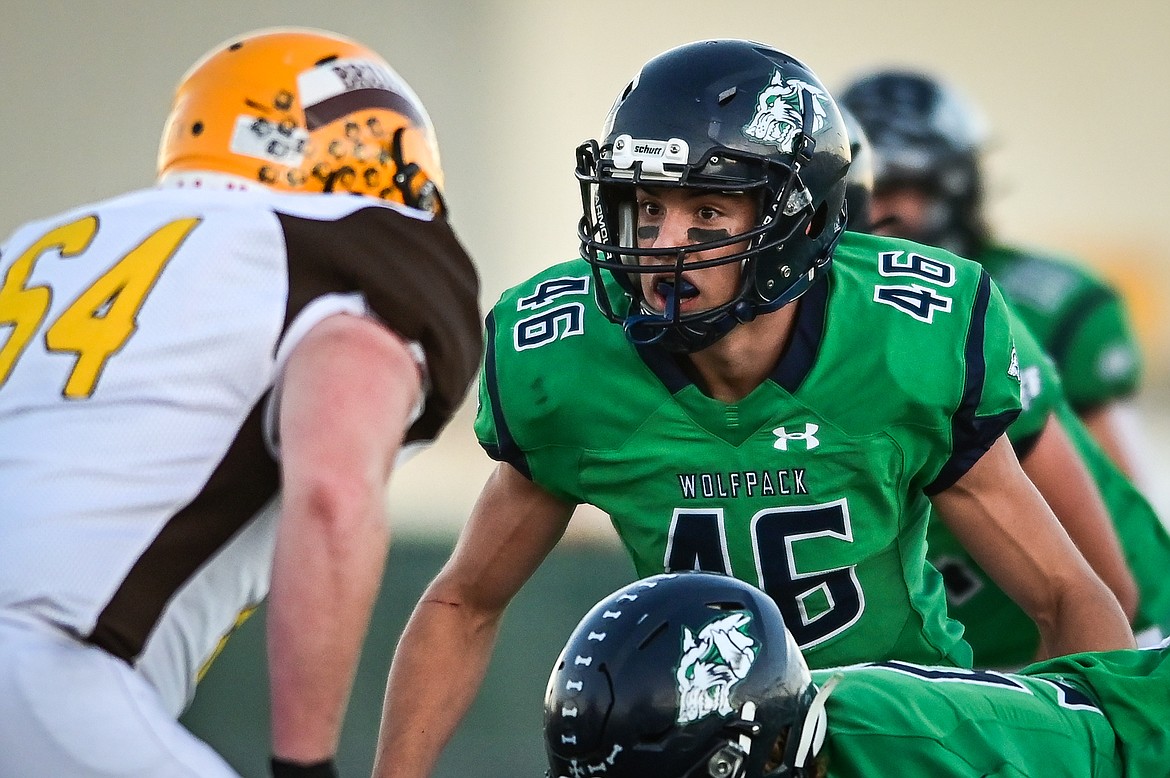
(914, 299)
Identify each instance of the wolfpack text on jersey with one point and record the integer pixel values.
(814, 486)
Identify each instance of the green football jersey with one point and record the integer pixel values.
(1001, 634)
(1079, 320)
(899, 375)
(901, 719)
(1040, 390)
(1133, 689)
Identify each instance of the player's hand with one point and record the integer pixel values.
(282, 768)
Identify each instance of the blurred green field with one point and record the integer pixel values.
(500, 736)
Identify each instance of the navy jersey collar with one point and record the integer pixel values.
(795, 362)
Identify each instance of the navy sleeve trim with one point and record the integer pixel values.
(972, 435)
(505, 449)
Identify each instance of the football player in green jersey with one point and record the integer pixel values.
(1115, 527)
(928, 140)
(1084, 488)
(745, 388)
(696, 675)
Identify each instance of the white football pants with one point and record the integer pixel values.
(70, 709)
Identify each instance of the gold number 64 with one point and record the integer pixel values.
(98, 323)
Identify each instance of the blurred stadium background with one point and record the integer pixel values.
(1074, 92)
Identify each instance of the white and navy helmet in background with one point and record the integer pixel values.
(926, 135)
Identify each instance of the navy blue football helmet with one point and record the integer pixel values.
(722, 115)
(682, 675)
(926, 135)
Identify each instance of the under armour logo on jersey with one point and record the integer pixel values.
(808, 436)
(1014, 365)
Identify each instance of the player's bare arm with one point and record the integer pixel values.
(1001, 518)
(443, 655)
(348, 393)
(1064, 481)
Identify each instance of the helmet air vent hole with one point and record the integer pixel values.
(325, 60)
(726, 95)
(197, 129)
(654, 634)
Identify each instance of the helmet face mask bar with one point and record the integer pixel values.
(625, 259)
(796, 176)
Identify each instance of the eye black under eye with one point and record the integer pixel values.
(700, 235)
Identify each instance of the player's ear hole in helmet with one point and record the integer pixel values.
(689, 675)
(718, 115)
(303, 111)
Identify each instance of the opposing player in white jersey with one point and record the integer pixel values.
(204, 387)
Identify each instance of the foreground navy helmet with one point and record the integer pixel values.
(724, 115)
(926, 135)
(688, 675)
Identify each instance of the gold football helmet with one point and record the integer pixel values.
(306, 111)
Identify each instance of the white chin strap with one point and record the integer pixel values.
(747, 713)
(205, 179)
(812, 732)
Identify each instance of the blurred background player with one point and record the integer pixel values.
(1110, 521)
(929, 186)
(696, 675)
(767, 396)
(859, 179)
(204, 387)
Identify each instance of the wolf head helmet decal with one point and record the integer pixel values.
(713, 661)
(780, 108)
